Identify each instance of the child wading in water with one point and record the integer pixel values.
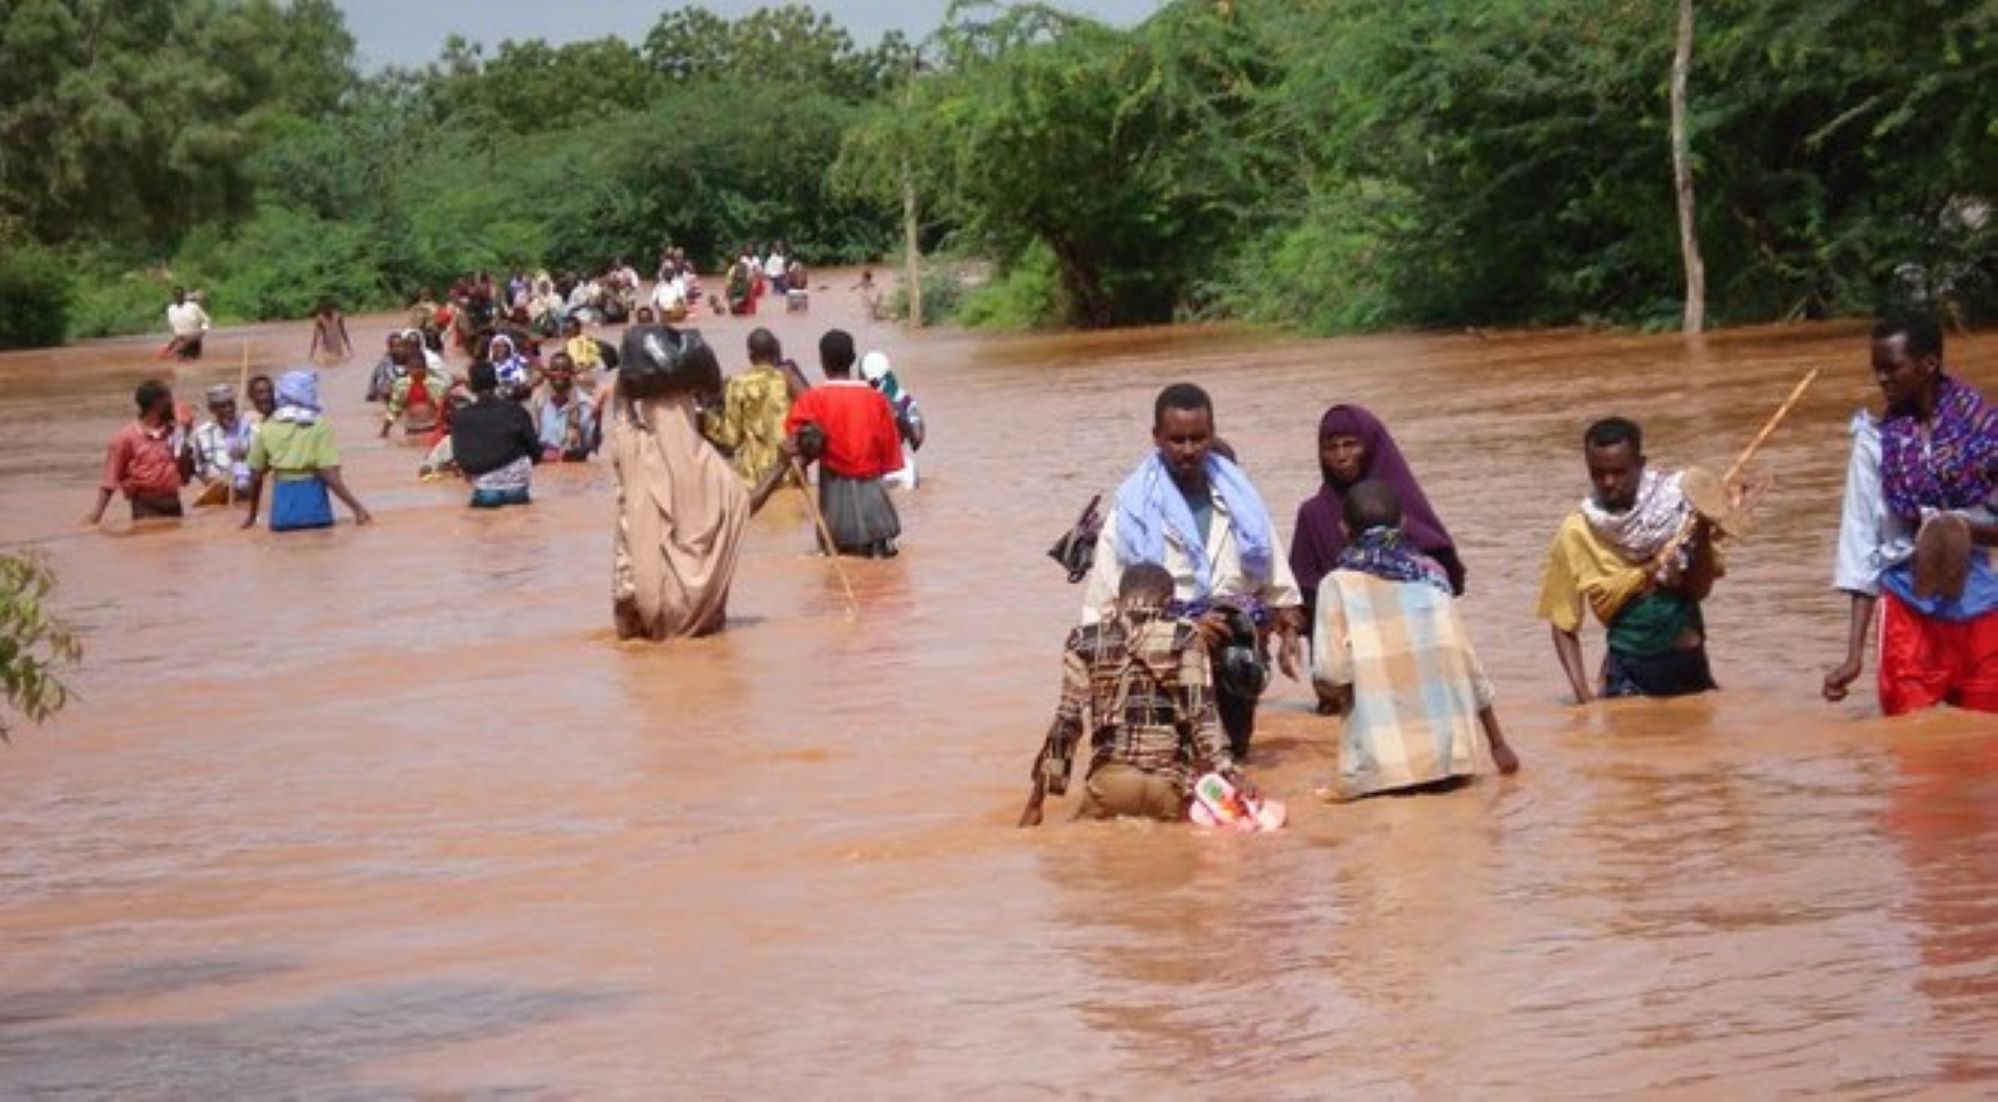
(329, 334)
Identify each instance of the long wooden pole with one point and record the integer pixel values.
(1740, 463)
(1768, 427)
(825, 537)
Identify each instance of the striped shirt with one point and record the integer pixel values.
(1417, 684)
(1138, 685)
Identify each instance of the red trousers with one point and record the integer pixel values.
(1925, 662)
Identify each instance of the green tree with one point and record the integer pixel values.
(35, 644)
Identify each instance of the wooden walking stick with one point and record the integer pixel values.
(825, 537)
(1741, 463)
(242, 399)
(1775, 419)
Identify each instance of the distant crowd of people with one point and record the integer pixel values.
(539, 388)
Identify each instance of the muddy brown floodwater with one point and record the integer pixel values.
(388, 812)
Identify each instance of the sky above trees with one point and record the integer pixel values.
(397, 32)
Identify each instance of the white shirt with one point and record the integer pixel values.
(775, 266)
(1224, 560)
(220, 452)
(187, 319)
(669, 294)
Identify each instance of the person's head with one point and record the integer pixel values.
(1614, 449)
(561, 372)
(1907, 361)
(1183, 429)
(263, 395)
(572, 328)
(222, 403)
(836, 353)
(483, 378)
(1344, 456)
(324, 308)
(395, 343)
(1371, 503)
(875, 367)
(1144, 585)
(154, 399)
(645, 316)
(763, 347)
(179, 295)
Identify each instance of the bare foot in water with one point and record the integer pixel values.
(1942, 557)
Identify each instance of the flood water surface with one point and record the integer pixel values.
(388, 812)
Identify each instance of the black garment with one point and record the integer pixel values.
(1673, 673)
(150, 506)
(491, 433)
(1238, 718)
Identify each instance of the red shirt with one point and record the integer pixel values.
(141, 461)
(862, 441)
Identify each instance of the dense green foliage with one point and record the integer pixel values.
(233, 145)
(1336, 164)
(34, 644)
(35, 298)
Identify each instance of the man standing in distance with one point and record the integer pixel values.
(861, 445)
(1195, 513)
(1620, 554)
(189, 323)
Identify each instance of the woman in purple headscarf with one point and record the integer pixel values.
(1354, 445)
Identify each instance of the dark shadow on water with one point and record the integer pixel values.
(139, 981)
(314, 1049)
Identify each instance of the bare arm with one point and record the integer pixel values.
(254, 495)
(1841, 676)
(331, 477)
(1502, 755)
(1984, 535)
(96, 516)
(1568, 648)
(760, 495)
(1703, 568)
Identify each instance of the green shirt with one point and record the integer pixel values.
(293, 450)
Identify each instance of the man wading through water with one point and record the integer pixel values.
(1619, 554)
(1195, 513)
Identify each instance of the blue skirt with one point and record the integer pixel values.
(300, 503)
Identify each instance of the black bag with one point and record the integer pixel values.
(1076, 549)
(658, 359)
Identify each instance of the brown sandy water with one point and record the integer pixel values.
(387, 812)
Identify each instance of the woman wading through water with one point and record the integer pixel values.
(681, 508)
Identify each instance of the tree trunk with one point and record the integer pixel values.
(1682, 176)
(911, 246)
(911, 229)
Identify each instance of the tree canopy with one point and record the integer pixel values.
(1334, 164)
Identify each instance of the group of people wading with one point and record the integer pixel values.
(1187, 593)
(695, 455)
(1188, 590)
